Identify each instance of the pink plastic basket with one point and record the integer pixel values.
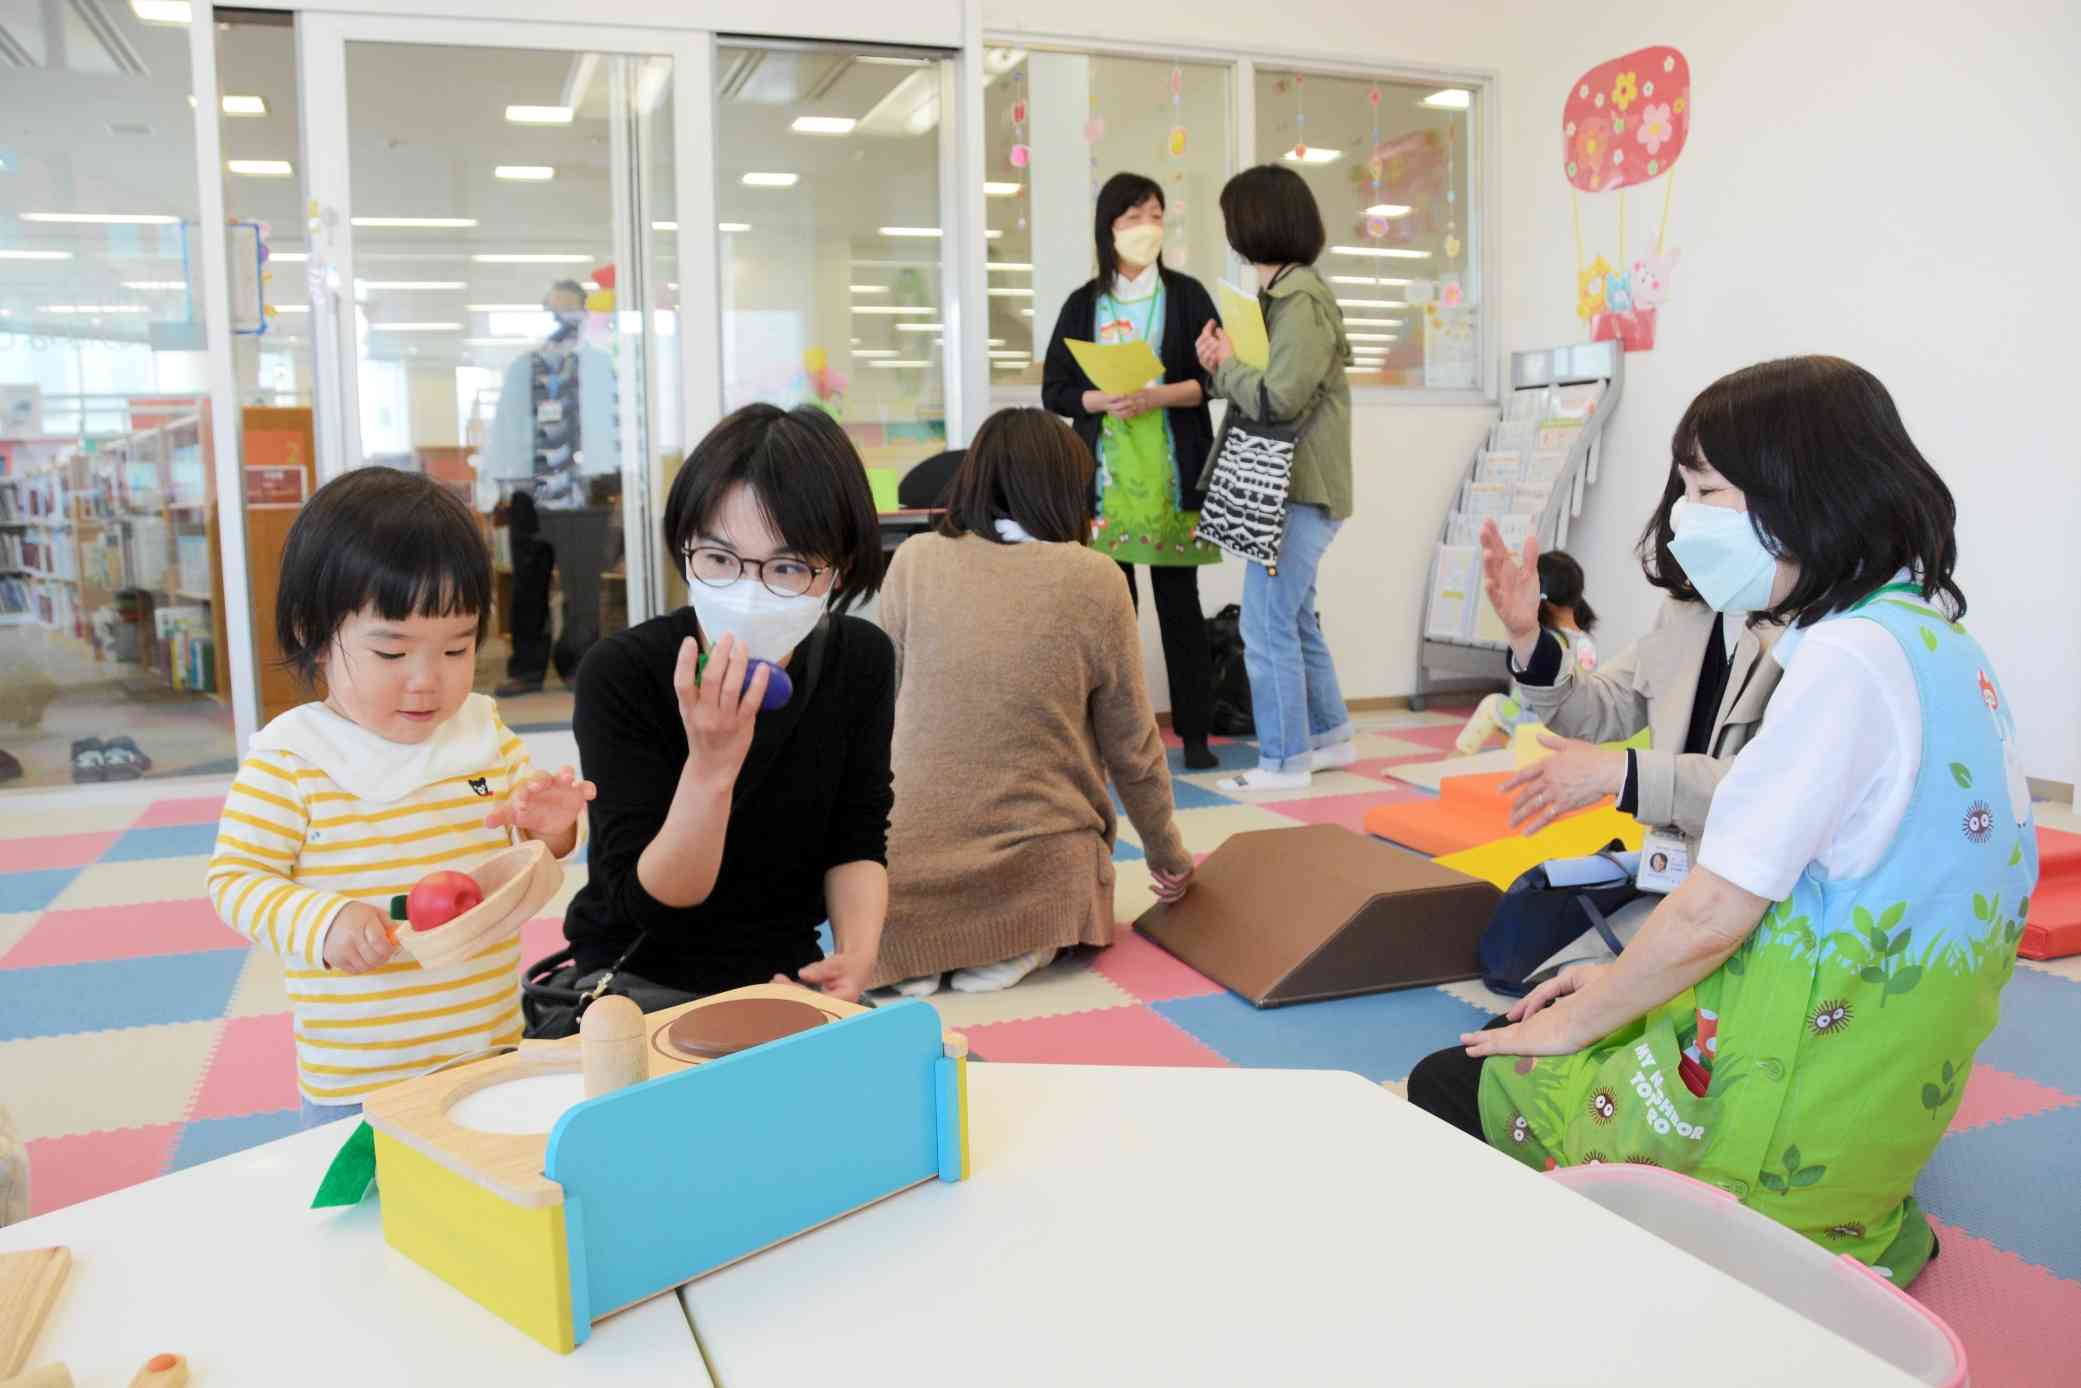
(1836, 1291)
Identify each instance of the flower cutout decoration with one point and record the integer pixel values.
(1656, 126)
(1625, 90)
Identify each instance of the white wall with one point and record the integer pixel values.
(1901, 198)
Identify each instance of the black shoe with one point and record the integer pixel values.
(10, 768)
(89, 762)
(1199, 756)
(126, 760)
(513, 689)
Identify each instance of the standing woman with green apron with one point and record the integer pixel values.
(1151, 444)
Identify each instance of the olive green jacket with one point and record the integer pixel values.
(1306, 375)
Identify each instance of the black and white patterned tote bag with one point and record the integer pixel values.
(1245, 510)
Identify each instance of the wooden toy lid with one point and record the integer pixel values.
(727, 1027)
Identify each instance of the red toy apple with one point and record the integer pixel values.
(438, 899)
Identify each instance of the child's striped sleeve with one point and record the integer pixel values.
(251, 874)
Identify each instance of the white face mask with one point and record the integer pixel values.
(1722, 556)
(768, 625)
(1138, 245)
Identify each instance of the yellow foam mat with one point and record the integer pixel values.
(1505, 860)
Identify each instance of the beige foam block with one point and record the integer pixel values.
(2067, 968)
(1431, 775)
(14, 925)
(1206, 830)
(136, 884)
(1068, 985)
(1474, 991)
(87, 1081)
(261, 989)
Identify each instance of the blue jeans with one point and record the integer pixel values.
(310, 1115)
(1293, 683)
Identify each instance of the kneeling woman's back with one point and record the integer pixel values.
(1020, 695)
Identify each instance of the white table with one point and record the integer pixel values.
(1240, 1227)
(226, 1264)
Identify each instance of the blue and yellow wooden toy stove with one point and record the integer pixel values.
(702, 1163)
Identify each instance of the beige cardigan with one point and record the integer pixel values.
(1652, 684)
(1019, 689)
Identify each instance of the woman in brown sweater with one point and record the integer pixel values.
(1020, 691)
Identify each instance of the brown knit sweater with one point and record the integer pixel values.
(1020, 688)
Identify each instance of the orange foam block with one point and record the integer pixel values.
(1469, 811)
(2054, 928)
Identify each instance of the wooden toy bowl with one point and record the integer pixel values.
(517, 882)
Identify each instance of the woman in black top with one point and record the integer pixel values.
(1152, 444)
(729, 834)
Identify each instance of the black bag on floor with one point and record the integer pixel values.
(1232, 707)
(1535, 921)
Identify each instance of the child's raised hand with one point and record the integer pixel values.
(544, 806)
(358, 940)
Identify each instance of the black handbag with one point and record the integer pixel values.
(1536, 920)
(554, 994)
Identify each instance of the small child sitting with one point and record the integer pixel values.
(1563, 612)
(400, 770)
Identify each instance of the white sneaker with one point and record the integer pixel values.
(1252, 782)
(995, 978)
(1337, 755)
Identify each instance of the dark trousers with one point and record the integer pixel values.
(581, 541)
(1185, 653)
(1447, 1084)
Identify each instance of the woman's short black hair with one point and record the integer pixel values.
(1560, 589)
(1833, 483)
(376, 537)
(1028, 467)
(1271, 217)
(807, 478)
(1122, 194)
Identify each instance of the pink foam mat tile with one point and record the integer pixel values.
(1148, 972)
(195, 809)
(2015, 1319)
(66, 1170)
(1111, 1036)
(1996, 1096)
(544, 935)
(55, 851)
(96, 934)
(252, 1070)
(1347, 811)
(1442, 736)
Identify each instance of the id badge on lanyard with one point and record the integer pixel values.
(1665, 861)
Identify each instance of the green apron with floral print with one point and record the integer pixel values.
(1834, 1045)
(1141, 519)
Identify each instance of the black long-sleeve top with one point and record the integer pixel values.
(822, 802)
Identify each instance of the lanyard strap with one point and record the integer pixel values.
(1148, 319)
(1882, 592)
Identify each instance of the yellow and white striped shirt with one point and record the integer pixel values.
(295, 846)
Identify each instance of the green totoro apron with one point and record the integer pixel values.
(1140, 516)
(1834, 1045)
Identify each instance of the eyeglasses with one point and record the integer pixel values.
(719, 568)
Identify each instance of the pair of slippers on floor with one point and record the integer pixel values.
(1261, 780)
(117, 759)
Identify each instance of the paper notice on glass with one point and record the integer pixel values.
(1450, 361)
(1455, 578)
(1243, 320)
(1117, 368)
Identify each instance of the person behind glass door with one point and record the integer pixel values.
(1303, 724)
(554, 429)
(1151, 445)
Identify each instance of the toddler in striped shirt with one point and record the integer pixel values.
(398, 771)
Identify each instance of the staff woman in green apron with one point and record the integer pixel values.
(1796, 1022)
(1150, 444)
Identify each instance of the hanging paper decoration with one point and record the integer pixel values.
(1376, 227)
(1625, 122)
(1021, 156)
(1300, 117)
(1094, 130)
(1176, 143)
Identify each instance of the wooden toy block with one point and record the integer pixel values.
(517, 883)
(29, 1286)
(45, 1376)
(722, 1147)
(162, 1371)
(610, 1045)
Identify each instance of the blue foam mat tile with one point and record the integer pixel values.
(21, 892)
(2013, 1184)
(63, 998)
(207, 1139)
(1381, 1035)
(2039, 1035)
(1125, 852)
(165, 841)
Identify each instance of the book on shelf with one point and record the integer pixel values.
(1499, 465)
(1485, 498)
(1463, 529)
(1455, 581)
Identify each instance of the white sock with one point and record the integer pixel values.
(992, 978)
(923, 986)
(1262, 779)
(1336, 755)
